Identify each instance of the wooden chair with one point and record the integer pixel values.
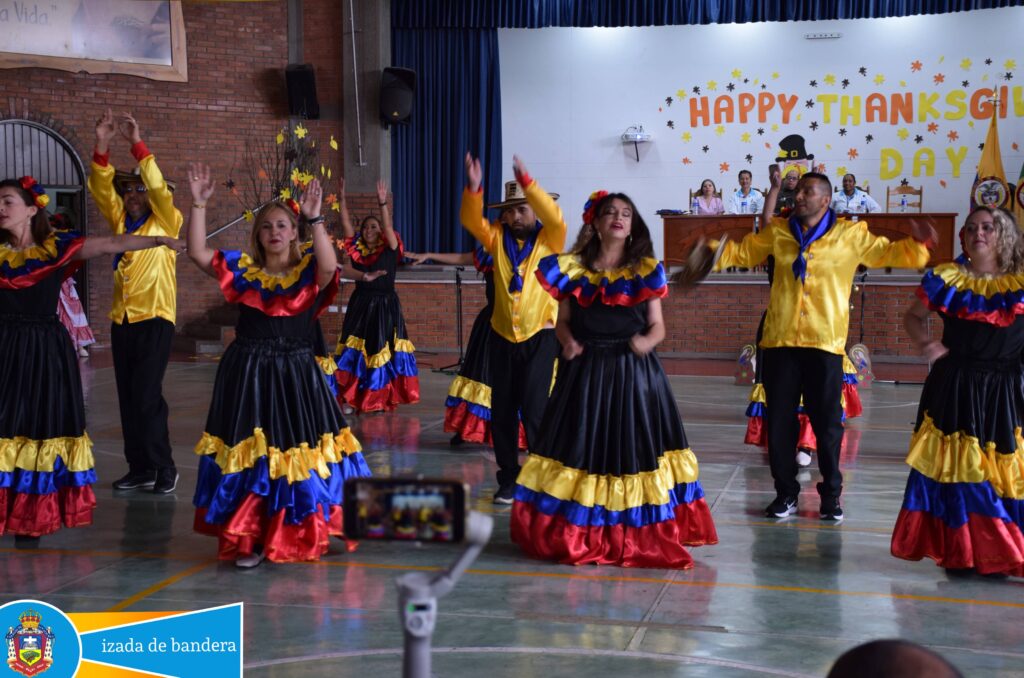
(894, 196)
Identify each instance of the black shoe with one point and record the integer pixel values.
(136, 480)
(24, 542)
(166, 481)
(456, 440)
(505, 495)
(781, 507)
(831, 510)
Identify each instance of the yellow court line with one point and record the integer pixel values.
(145, 593)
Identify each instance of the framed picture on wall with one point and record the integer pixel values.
(134, 37)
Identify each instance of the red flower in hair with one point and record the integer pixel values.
(590, 206)
(292, 205)
(38, 192)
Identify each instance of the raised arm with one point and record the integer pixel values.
(385, 215)
(471, 213)
(101, 174)
(201, 185)
(158, 193)
(347, 229)
(770, 200)
(323, 250)
(450, 258)
(879, 251)
(915, 321)
(643, 343)
(749, 252)
(545, 207)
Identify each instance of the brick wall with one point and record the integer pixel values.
(713, 320)
(237, 53)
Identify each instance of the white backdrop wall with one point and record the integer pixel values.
(889, 100)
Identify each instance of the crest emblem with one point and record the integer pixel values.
(30, 645)
(990, 191)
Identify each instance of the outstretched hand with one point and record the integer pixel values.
(176, 244)
(923, 231)
(416, 258)
(312, 199)
(474, 173)
(129, 128)
(200, 182)
(382, 193)
(519, 169)
(105, 127)
(699, 262)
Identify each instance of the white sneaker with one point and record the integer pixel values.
(250, 561)
(803, 459)
(347, 409)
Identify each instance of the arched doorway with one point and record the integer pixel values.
(27, 147)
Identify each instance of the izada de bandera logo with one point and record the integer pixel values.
(30, 645)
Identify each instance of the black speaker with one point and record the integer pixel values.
(397, 92)
(302, 91)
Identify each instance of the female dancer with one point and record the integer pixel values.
(376, 366)
(612, 479)
(468, 406)
(964, 502)
(276, 450)
(46, 462)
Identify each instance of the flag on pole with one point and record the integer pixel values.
(990, 187)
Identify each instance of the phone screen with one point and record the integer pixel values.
(405, 509)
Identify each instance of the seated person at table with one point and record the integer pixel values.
(787, 194)
(852, 200)
(706, 202)
(746, 200)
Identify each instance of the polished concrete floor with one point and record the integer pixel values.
(772, 598)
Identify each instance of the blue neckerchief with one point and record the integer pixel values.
(805, 240)
(130, 227)
(517, 255)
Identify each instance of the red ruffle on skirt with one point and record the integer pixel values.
(757, 432)
(851, 401)
(401, 390)
(471, 428)
(988, 545)
(659, 545)
(36, 515)
(282, 542)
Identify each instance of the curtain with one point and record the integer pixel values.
(617, 13)
(457, 109)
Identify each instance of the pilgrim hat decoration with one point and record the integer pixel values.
(793, 148)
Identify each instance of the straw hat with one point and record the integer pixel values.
(514, 196)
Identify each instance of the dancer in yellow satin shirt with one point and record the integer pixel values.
(145, 300)
(523, 344)
(816, 255)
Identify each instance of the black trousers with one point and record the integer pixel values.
(141, 351)
(520, 383)
(817, 374)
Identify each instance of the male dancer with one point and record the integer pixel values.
(816, 255)
(143, 313)
(523, 344)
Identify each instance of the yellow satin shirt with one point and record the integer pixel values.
(520, 315)
(145, 281)
(816, 313)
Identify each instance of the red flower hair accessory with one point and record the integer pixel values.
(590, 206)
(292, 205)
(37, 191)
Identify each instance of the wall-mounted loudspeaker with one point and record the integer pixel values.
(302, 91)
(397, 93)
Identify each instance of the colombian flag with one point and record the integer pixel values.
(990, 187)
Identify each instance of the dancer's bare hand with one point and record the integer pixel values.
(474, 173)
